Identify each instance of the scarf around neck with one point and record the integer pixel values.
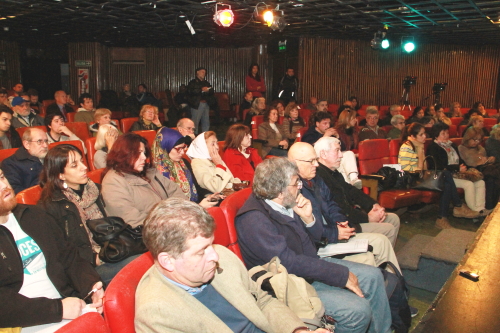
(453, 157)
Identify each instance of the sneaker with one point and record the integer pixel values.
(485, 212)
(442, 223)
(413, 311)
(357, 183)
(465, 211)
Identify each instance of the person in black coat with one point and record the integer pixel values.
(201, 99)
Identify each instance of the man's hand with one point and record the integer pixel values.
(284, 143)
(97, 297)
(344, 231)
(303, 209)
(205, 89)
(65, 131)
(72, 307)
(377, 214)
(331, 132)
(353, 285)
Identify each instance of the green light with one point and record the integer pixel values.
(385, 44)
(409, 47)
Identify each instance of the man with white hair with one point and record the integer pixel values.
(372, 218)
(393, 110)
(372, 130)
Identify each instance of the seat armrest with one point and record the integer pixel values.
(371, 182)
(375, 177)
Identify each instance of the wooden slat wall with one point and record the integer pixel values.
(86, 51)
(337, 69)
(12, 57)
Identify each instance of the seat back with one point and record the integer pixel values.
(305, 114)
(223, 101)
(453, 131)
(77, 143)
(149, 135)
(490, 121)
(301, 133)
(256, 121)
(119, 303)
(456, 120)
(80, 128)
(4, 153)
(491, 112)
(96, 175)
(21, 130)
(456, 141)
(126, 123)
(245, 114)
(221, 146)
(372, 155)
(230, 207)
(47, 102)
(221, 235)
(90, 145)
(394, 146)
(29, 196)
(461, 129)
(332, 108)
(71, 116)
(89, 322)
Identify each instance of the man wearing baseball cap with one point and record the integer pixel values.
(23, 117)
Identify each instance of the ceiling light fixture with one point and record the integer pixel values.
(380, 40)
(275, 18)
(408, 43)
(223, 17)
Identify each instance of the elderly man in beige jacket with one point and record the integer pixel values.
(195, 286)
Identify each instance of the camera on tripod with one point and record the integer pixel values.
(409, 81)
(438, 87)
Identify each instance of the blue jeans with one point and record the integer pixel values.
(449, 194)
(353, 313)
(107, 271)
(202, 113)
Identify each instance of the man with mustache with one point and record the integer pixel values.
(43, 280)
(195, 286)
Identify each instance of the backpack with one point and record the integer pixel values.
(294, 292)
(393, 179)
(398, 294)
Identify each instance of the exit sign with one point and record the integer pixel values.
(83, 63)
(282, 46)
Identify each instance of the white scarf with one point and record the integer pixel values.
(198, 148)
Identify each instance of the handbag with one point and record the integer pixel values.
(472, 174)
(117, 239)
(429, 180)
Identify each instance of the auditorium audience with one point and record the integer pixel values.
(441, 116)
(101, 117)
(240, 158)
(480, 107)
(132, 186)
(455, 110)
(430, 111)
(246, 104)
(258, 108)
(273, 133)
(347, 129)
(477, 122)
(185, 126)
(148, 119)
(446, 155)
(398, 123)
(492, 143)
(106, 137)
(273, 222)
(372, 130)
(61, 105)
(57, 130)
(417, 116)
(23, 117)
(9, 138)
(254, 82)
(322, 105)
(4, 100)
(209, 169)
(393, 110)
(43, 280)
(71, 199)
(23, 168)
(86, 110)
(168, 151)
(292, 122)
(319, 126)
(412, 158)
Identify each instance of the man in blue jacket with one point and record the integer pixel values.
(278, 221)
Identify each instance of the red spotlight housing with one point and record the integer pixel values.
(223, 17)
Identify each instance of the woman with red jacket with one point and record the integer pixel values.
(254, 82)
(239, 157)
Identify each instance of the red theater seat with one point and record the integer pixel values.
(301, 133)
(119, 302)
(456, 120)
(96, 175)
(77, 143)
(80, 128)
(4, 153)
(89, 322)
(149, 135)
(29, 196)
(90, 145)
(126, 123)
(21, 130)
(222, 235)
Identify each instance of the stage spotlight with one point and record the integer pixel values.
(224, 17)
(385, 44)
(268, 17)
(408, 44)
(274, 18)
(380, 40)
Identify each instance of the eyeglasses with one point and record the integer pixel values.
(188, 128)
(311, 161)
(401, 123)
(40, 142)
(298, 184)
(179, 149)
(476, 140)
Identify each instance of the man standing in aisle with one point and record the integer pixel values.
(201, 98)
(288, 86)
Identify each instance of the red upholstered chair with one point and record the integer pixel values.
(490, 121)
(456, 141)
(96, 175)
(256, 121)
(301, 133)
(71, 117)
(383, 109)
(119, 302)
(221, 146)
(78, 144)
(47, 102)
(456, 120)
(405, 113)
(224, 105)
(29, 196)
(281, 119)
(221, 235)
(333, 108)
(372, 155)
(394, 145)
(453, 131)
(117, 115)
(305, 114)
(230, 207)
(89, 322)
(491, 112)
(80, 128)
(461, 129)
(4, 153)
(464, 110)
(90, 145)
(21, 130)
(149, 135)
(126, 123)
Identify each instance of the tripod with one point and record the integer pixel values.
(405, 102)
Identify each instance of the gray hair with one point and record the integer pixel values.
(272, 177)
(325, 144)
(27, 135)
(372, 109)
(172, 222)
(397, 117)
(393, 107)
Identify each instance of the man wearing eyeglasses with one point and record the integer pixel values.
(23, 168)
(185, 126)
(372, 130)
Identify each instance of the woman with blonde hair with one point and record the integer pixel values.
(148, 119)
(292, 122)
(455, 110)
(477, 122)
(106, 137)
(102, 116)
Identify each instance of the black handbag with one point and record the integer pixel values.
(117, 239)
(429, 180)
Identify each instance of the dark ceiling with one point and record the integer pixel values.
(142, 23)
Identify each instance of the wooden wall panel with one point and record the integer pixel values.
(337, 69)
(12, 61)
(86, 51)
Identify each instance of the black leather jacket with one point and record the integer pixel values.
(195, 95)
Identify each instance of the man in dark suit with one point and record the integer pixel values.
(61, 105)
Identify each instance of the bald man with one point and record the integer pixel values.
(339, 228)
(61, 105)
(185, 126)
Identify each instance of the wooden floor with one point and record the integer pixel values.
(464, 305)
